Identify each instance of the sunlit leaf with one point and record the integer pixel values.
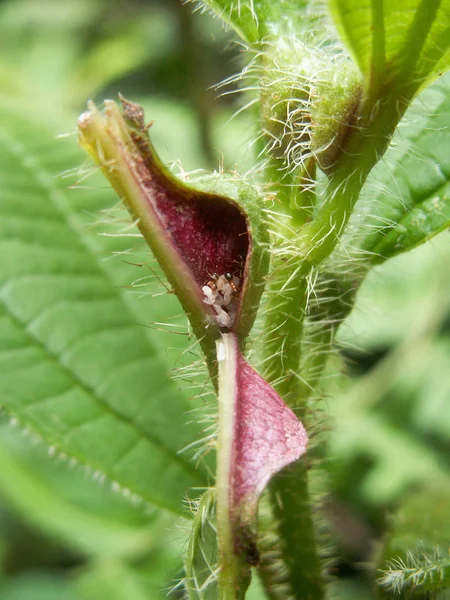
(202, 556)
(259, 20)
(406, 200)
(76, 366)
(399, 44)
(114, 580)
(68, 506)
(42, 586)
(415, 555)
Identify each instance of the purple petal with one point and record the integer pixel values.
(258, 436)
(268, 435)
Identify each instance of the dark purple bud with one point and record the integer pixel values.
(209, 239)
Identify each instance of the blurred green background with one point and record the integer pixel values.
(66, 536)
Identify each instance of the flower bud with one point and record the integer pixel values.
(309, 101)
(209, 238)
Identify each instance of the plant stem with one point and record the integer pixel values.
(233, 573)
(284, 334)
(284, 327)
(314, 362)
(304, 249)
(228, 573)
(290, 501)
(378, 118)
(289, 489)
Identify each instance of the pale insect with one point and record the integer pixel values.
(221, 293)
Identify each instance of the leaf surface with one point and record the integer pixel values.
(239, 15)
(76, 367)
(202, 555)
(406, 200)
(257, 20)
(42, 586)
(403, 40)
(415, 556)
(67, 505)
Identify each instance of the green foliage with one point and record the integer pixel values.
(202, 559)
(84, 63)
(38, 587)
(416, 556)
(89, 367)
(115, 580)
(261, 20)
(406, 200)
(80, 371)
(239, 14)
(400, 45)
(418, 572)
(422, 517)
(391, 425)
(67, 506)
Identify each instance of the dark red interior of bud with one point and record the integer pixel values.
(210, 232)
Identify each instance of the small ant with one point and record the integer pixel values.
(227, 285)
(220, 293)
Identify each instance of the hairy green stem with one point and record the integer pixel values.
(313, 362)
(284, 330)
(289, 489)
(284, 327)
(230, 584)
(308, 244)
(281, 183)
(298, 544)
(314, 242)
(377, 120)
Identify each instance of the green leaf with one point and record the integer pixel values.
(425, 220)
(42, 586)
(114, 580)
(67, 505)
(239, 14)
(403, 43)
(202, 556)
(419, 207)
(260, 20)
(413, 290)
(76, 367)
(406, 199)
(425, 564)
